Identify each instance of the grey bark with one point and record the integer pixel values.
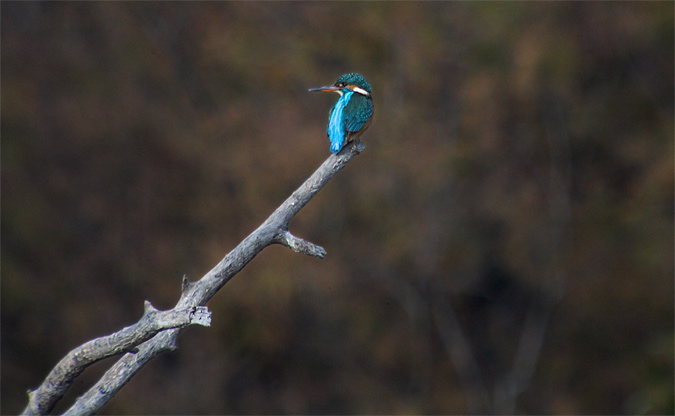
(157, 331)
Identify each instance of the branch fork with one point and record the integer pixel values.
(126, 340)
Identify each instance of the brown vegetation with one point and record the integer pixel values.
(518, 177)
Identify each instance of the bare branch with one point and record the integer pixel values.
(458, 348)
(59, 380)
(194, 294)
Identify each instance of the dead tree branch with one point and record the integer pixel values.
(157, 331)
(59, 380)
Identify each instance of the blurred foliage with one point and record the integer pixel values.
(520, 162)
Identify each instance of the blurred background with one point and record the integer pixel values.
(504, 244)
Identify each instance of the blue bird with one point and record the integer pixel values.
(352, 113)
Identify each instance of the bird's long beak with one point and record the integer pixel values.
(329, 88)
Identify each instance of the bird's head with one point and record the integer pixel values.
(352, 81)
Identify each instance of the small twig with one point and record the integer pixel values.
(301, 246)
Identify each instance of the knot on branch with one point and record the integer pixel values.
(148, 308)
(186, 284)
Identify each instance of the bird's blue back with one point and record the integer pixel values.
(347, 117)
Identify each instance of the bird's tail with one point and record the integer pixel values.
(336, 146)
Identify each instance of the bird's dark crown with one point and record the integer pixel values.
(353, 79)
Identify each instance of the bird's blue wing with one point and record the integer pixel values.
(359, 111)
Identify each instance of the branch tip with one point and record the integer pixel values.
(147, 307)
(354, 146)
(300, 246)
(200, 315)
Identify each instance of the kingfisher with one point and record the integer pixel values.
(352, 113)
